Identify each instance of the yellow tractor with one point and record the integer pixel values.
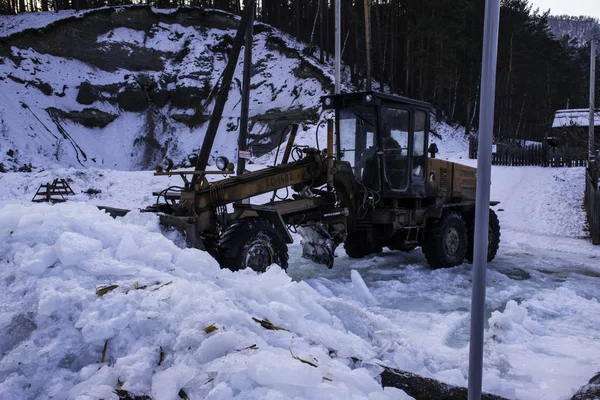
(376, 185)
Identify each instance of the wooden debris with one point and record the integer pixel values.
(183, 395)
(163, 285)
(327, 379)
(54, 192)
(104, 351)
(102, 290)
(162, 356)
(211, 328)
(265, 323)
(303, 360)
(138, 287)
(251, 347)
(209, 381)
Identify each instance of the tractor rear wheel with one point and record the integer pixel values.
(446, 241)
(358, 245)
(252, 243)
(493, 235)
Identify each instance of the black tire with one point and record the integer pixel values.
(358, 245)
(446, 241)
(252, 243)
(493, 236)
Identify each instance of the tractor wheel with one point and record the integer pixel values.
(252, 243)
(493, 236)
(357, 245)
(446, 241)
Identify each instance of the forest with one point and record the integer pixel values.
(429, 50)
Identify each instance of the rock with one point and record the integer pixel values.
(86, 94)
(425, 388)
(590, 391)
(159, 97)
(132, 98)
(89, 117)
(276, 121)
(187, 97)
(42, 86)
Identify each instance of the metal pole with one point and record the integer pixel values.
(367, 4)
(223, 92)
(591, 144)
(242, 139)
(338, 44)
(484, 169)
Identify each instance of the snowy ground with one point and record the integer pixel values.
(542, 336)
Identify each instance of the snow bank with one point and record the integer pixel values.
(11, 24)
(75, 282)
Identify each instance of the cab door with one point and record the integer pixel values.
(418, 164)
(395, 133)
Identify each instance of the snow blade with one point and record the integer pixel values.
(317, 244)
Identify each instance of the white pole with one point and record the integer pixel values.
(591, 144)
(338, 44)
(484, 169)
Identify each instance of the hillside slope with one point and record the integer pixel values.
(116, 88)
(579, 29)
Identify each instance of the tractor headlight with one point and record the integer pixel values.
(166, 164)
(369, 98)
(222, 163)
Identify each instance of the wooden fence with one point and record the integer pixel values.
(592, 202)
(534, 155)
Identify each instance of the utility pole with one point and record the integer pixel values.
(591, 144)
(482, 200)
(368, 41)
(338, 44)
(242, 139)
(223, 93)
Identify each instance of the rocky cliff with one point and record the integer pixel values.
(122, 87)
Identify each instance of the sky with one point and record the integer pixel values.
(589, 8)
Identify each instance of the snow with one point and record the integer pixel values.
(360, 287)
(387, 309)
(11, 24)
(391, 309)
(574, 117)
(55, 324)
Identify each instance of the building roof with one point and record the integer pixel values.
(575, 117)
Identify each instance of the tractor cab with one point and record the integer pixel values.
(384, 138)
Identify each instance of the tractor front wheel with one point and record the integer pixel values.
(252, 243)
(493, 235)
(446, 241)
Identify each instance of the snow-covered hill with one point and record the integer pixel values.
(580, 29)
(117, 88)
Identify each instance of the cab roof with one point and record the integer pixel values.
(369, 99)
